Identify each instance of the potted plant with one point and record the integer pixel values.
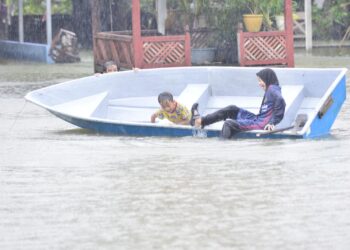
(267, 9)
(278, 10)
(198, 15)
(204, 49)
(253, 21)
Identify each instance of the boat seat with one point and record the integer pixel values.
(132, 109)
(191, 94)
(135, 102)
(293, 96)
(141, 108)
(82, 107)
(129, 114)
(195, 93)
(251, 103)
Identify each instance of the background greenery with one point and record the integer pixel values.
(332, 20)
(38, 7)
(222, 16)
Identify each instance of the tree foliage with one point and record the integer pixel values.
(331, 21)
(38, 7)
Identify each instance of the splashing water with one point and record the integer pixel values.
(201, 133)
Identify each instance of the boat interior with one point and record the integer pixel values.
(131, 96)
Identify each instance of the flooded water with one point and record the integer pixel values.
(67, 188)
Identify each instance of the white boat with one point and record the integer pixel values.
(123, 102)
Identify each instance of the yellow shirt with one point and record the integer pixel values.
(179, 115)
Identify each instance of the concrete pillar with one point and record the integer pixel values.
(48, 23)
(20, 21)
(161, 15)
(308, 25)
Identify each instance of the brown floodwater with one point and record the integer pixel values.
(63, 187)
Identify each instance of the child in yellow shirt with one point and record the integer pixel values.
(171, 110)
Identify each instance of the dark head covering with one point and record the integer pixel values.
(268, 76)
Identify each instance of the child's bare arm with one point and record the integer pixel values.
(153, 117)
(184, 122)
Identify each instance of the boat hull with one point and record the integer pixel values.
(122, 103)
(322, 123)
(105, 127)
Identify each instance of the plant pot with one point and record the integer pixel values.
(252, 22)
(279, 22)
(203, 55)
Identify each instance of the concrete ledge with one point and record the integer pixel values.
(25, 51)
